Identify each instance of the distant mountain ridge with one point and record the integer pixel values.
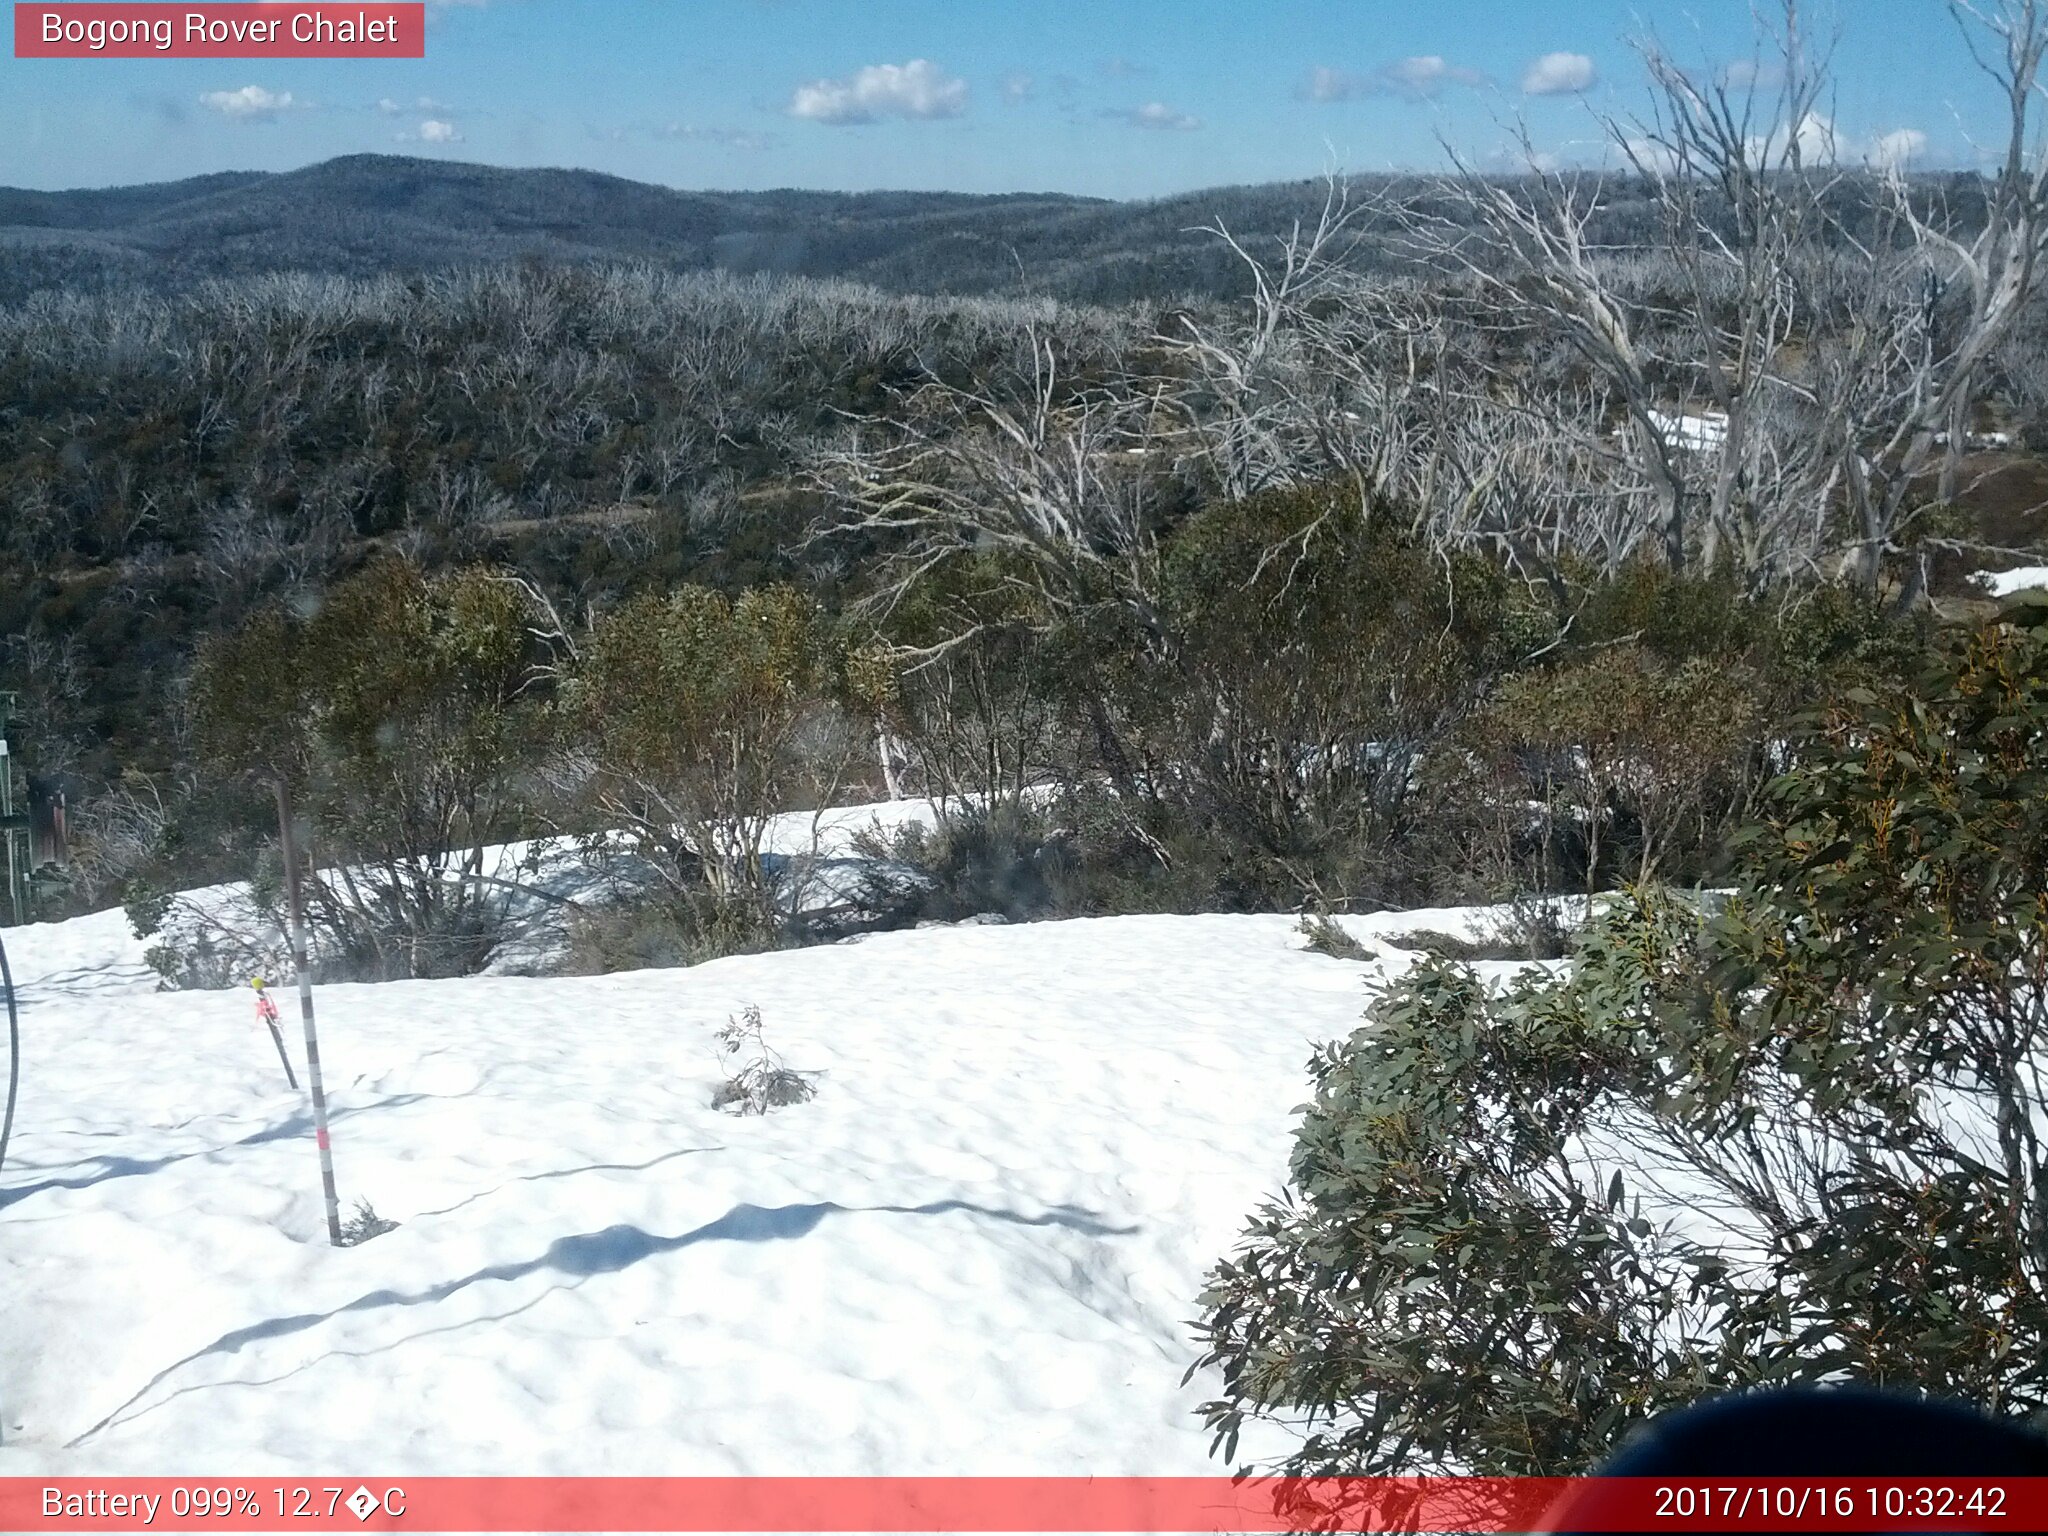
(364, 214)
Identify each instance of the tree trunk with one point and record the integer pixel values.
(885, 749)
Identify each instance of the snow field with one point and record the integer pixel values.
(976, 1251)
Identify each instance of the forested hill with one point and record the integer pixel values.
(371, 214)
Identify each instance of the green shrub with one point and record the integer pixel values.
(984, 692)
(401, 715)
(1084, 854)
(1012, 862)
(1797, 1139)
(701, 717)
(663, 929)
(1318, 652)
(1529, 931)
(1638, 762)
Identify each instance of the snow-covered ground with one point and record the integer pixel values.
(975, 1251)
(2026, 578)
(815, 854)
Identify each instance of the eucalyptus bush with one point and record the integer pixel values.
(1792, 1137)
(697, 718)
(403, 716)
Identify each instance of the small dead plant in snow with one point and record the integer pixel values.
(1326, 936)
(363, 1224)
(757, 1079)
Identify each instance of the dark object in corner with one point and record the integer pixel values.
(1819, 1432)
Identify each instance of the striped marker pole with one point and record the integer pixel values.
(266, 1010)
(288, 838)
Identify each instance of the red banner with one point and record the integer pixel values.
(212, 30)
(1049, 1504)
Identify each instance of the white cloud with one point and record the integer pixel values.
(1428, 74)
(1326, 84)
(1651, 157)
(1558, 74)
(1419, 77)
(1896, 148)
(388, 107)
(252, 103)
(730, 138)
(1423, 73)
(1155, 114)
(1815, 139)
(431, 130)
(1017, 86)
(919, 89)
(1818, 142)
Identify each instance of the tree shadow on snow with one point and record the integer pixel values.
(106, 1168)
(609, 1251)
(567, 1173)
(61, 986)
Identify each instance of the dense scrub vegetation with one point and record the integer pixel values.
(1797, 1138)
(167, 464)
(1138, 610)
(1393, 579)
(1369, 724)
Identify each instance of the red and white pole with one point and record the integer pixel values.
(290, 844)
(266, 1010)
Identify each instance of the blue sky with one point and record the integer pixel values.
(1116, 98)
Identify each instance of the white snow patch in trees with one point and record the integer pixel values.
(2027, 578)
(1700, 433)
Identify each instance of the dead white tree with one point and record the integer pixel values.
(1272, 395)
(1772, 362)
(1524, 247)
(1045, 472)
(1742, 173)
(1907, 390)
(1690, 342)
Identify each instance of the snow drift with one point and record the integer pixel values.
(975, 1251)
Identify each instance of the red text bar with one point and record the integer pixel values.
(1482, 1506)
(212, 30)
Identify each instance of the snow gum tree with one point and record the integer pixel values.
(1320, 653)
(1633, 750)
(400, 715)
(1798, 1138)
(699, 717)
